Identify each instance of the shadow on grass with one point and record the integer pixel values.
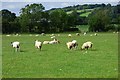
(93, 50)
(23, 51)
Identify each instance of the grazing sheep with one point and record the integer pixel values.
(30, 35)
(75, 44)
(17, 34)
(87, 45)
(8, 35)
(95, 34)
(16, 45)
(69, 45)
(58, 34)
(72, 44)
(77, 34)
(84, 33)
(113, 32)
(91, 35)
(52, 37)
(43, 34)
(38, 44)
(36, 35)
(46, 42)
(69, 35)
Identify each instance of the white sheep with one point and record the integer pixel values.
(75, 44)
(72, 44)
(69, 35)
(38, 44)
(16, 45)
(77, 34)
(91, 35)
(46, 42)
(43, 34)
(58, 34)
(69, 45)
(30, 35)
(55, 41)
(87, 45)
(95, 34)
(8, 35)
(84, 33)
(52, 37)
(36, 35)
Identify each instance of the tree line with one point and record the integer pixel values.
(35, 19)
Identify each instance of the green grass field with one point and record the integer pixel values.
(85, 14)
(56, 61)
(88, 11)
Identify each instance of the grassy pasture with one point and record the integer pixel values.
(56, 61)
(85, 14)
(88, 11)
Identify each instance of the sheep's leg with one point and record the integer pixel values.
(40, 48)
(16, 49)
(70, 47)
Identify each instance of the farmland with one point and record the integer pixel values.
(84, 12)
(56, 61)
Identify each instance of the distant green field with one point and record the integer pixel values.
(56, 61)
(88, 11)
(85, 14)
(83, 28)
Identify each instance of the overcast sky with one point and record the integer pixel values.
(16, 5)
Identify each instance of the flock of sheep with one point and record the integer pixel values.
(70, 45)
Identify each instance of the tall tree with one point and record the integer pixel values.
(7, 21)
(58, 20)
(99, 20)
(30, 17)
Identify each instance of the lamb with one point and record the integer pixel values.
(87, 45)
(38, 44)
(16, 45)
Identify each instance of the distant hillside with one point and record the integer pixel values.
(82, 10)
(83, 13)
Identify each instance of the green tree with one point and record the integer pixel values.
(58, 20)
(8, 21)
(99, 20)
(30, 17)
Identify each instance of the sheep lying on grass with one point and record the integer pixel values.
(46, 42)
(55, 41)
